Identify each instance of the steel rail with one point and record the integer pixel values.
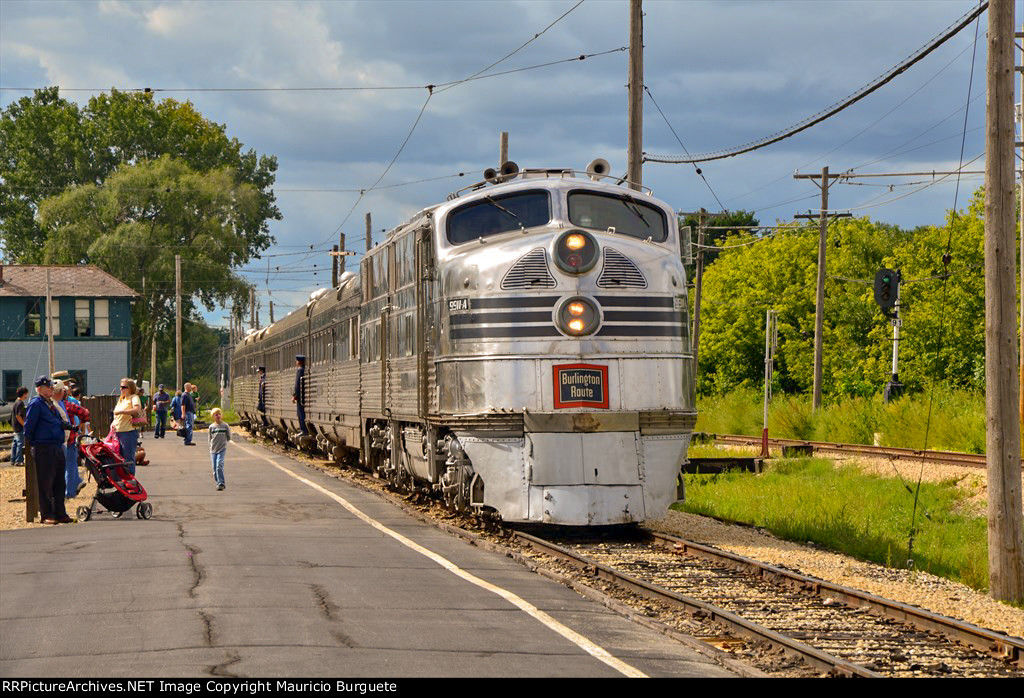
(996, 644)
(948, 457)
(811, 655)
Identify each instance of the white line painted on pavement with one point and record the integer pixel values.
(520, 603)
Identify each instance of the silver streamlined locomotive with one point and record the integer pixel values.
(522, 348)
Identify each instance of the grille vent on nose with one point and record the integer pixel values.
(531, 271)
(619, 271)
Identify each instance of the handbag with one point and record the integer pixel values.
(182, 432)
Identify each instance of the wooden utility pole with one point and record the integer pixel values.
(341, 258)
(49, 325)
(334, 267)
(1002, 442)
(177, 323)
(636, 95)
(369, 233)
(252, 309)
(152, 364)
(819, 299)
(1020, 144)
(819, 302)
(503, 149)
(271, 312)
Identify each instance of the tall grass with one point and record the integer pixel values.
(957, 419)
(845, 510)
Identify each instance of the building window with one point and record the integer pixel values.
(101, 311)
(33, 319)
(12, 381)
(54, 315)
(83, 326)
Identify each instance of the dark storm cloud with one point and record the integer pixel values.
(724, 73)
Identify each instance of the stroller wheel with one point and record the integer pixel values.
(83, 513)
(116, 514)
(144, 511)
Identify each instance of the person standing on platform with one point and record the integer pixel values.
(18, 421)
(220, 434)
(44, 433)
(261, 396)
(127, 408)
(74, 414)
(299, 393)
(177, 420)
(188, 408)
(161, 403)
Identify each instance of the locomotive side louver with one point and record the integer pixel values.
(619, 272)
(531, 271)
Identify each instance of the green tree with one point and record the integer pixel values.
(780, 272)
(48, 144)
(943, 334)
(718, 230)
(134, 224)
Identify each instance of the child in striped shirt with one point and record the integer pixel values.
(220, 434)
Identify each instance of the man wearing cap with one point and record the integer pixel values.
(44, 433)
(299, 393)
(161, 403)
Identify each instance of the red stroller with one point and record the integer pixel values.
(117, 490)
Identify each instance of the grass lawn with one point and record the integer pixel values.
(843, 509)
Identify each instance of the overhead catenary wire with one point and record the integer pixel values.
(828, 112)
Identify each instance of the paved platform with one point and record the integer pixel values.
(272, 577)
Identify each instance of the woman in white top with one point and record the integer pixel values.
(128, 407)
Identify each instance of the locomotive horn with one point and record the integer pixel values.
(598, 168)
(491, 175)
(509, 169)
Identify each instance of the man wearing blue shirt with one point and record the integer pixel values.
(44, 433)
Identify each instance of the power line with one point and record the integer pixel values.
(835, 108)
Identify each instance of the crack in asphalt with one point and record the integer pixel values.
(221, 669)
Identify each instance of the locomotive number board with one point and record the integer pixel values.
(581, 385)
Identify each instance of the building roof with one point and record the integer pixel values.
(82, 281)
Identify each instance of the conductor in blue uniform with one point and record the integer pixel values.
(299, 393)
(261, 397)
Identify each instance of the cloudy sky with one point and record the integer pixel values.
(724, 73)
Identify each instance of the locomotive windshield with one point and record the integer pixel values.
(627, 215)
(498, 214)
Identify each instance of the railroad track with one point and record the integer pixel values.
(945, 457)
(832, 628)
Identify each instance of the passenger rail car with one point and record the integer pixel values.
(521, 348)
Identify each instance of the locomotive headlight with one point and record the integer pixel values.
(578, 316)
(576, 252)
